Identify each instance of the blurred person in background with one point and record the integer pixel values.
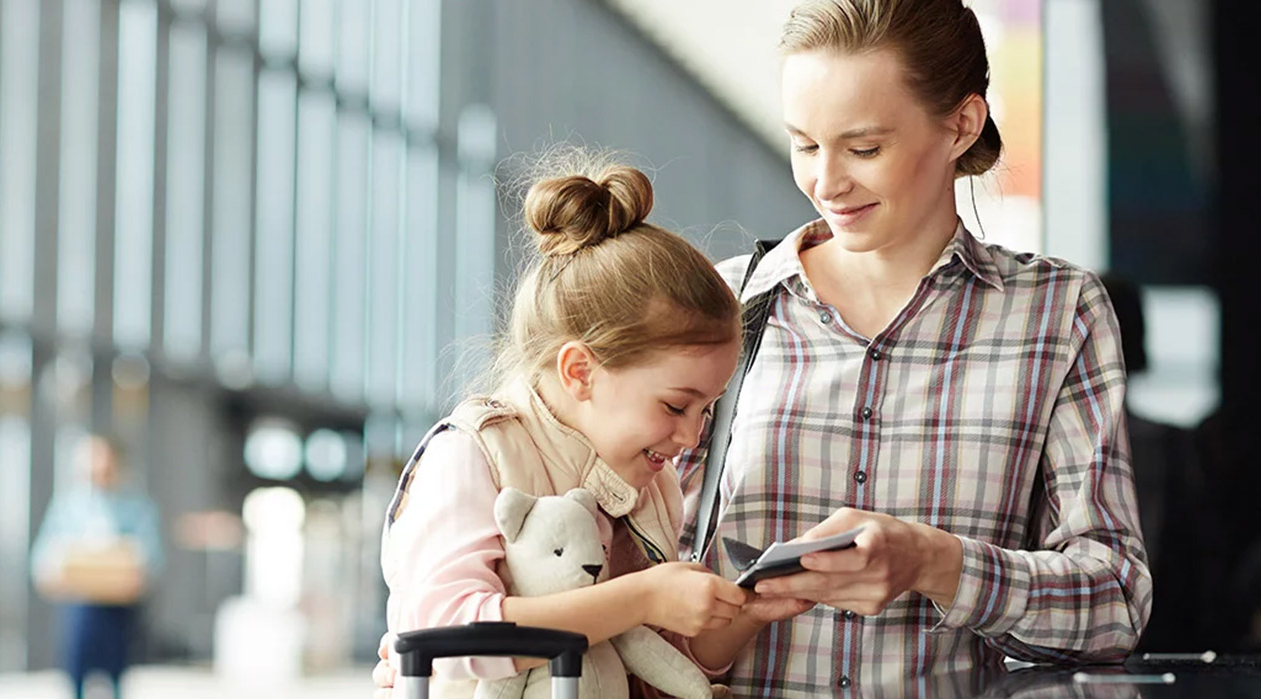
(1181, 524)
(97, 553)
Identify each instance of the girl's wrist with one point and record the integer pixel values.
(637, 591)
(747, 623)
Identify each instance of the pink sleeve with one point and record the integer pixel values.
(439, 556)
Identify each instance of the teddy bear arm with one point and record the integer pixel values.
(603, 677)
(651, 658)
(506, 688)
(603, 674)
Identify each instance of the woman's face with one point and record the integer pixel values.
(876, 165)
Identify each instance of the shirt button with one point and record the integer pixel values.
(849, 615)
(825, 318)
(844, 682)
(866, 413)
(861, 476)
(875, 355)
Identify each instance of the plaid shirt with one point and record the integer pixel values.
(991, 407)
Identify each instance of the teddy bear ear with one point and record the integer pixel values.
(584, 497)
(511, 508)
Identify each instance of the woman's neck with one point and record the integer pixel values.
(898, 265)
(870, 287)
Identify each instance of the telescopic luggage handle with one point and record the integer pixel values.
(417, 650)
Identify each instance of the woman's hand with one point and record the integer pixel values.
(891, 556)
(383, 674)
(688, 598)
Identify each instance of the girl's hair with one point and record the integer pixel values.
(940, 44)
(604, 277)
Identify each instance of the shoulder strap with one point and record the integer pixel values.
(754, 318)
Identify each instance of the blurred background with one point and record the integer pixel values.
(263, 242)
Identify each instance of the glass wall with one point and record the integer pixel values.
(259, 240)
(216, 217)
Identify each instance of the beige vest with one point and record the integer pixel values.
(527, 448)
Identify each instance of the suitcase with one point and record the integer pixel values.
(417, 650)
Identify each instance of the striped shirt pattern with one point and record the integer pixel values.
(991, 407)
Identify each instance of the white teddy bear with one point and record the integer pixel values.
(552, 544)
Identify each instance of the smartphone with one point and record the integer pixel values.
(784, 558)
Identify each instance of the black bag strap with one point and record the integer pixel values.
(753, 318)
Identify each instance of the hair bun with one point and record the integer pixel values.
(575, 212)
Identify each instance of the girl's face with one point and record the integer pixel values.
(866, 152)
(640, 417)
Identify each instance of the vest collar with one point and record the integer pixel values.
(569, 449)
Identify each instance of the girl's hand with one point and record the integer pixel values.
(383, 674)
(688, 598)
(761, 610)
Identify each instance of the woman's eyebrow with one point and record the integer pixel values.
(862, 132)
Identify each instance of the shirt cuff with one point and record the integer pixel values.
(993, 591)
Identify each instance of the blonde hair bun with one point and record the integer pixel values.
(575, 212)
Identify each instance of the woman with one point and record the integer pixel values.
(963, 402)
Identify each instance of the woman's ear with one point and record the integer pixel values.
(575, 367)
(966, 122)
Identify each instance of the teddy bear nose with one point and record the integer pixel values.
(594, 570)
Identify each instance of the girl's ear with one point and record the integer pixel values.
(967, 122)
(575, 367)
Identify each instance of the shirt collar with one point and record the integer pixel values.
(783, 262)
(974, 255)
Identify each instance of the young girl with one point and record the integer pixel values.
(622, 336)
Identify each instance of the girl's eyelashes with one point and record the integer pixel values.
(865, 152)
(674, 410)
(805, 148)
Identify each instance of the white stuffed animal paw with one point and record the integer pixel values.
(552, 544)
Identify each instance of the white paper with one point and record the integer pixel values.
(784, 552)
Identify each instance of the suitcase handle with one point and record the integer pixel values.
(417, 649)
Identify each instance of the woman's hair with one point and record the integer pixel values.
(603, 276)
(940, 44)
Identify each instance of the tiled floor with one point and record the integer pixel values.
(162, 682)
